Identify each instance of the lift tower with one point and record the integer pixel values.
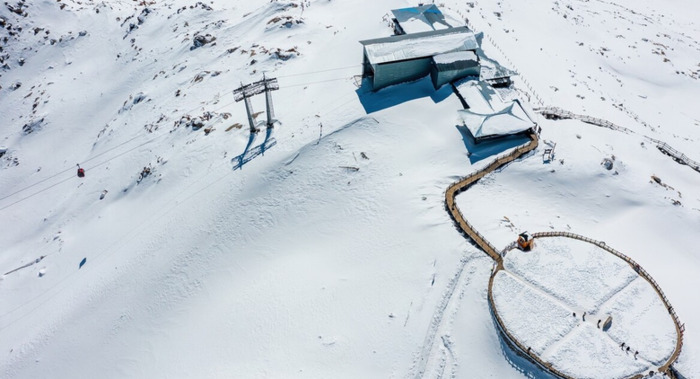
(245, 92)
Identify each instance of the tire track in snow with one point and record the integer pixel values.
(429, 351)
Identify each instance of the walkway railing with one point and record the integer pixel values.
(455, 188)
(468, 230)
(558, 113)
(677, 155)
(680, 328)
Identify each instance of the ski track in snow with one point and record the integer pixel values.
(432, 353)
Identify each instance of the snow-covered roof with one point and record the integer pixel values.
(419, 45)
(457, 61)
(491, 69)
(421, 18)
(457, 56)
(510, 120)
(480, 96)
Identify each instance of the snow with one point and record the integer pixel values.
(488, 114)
(538, 293)
(610, 361)
(421, 19)
(510, 120)
(456, 56)
(531, 316)
(310, 260)
(480, 96)
(637, 307)
(418, 26)
(591, 273)
(419, 45)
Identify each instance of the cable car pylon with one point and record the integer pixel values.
(245, 92)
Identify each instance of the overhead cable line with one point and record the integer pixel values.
(90, 167)
(319, 71)
(135, 231)
(316, 82)
(140, 145)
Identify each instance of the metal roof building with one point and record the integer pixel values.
(449, 67)
(398, 59)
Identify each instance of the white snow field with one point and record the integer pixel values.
(329, 253)
(542, 295)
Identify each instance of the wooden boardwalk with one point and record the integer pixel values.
(455, 188)
(468, 230)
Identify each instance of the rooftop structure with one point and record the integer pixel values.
(479, 96)
(488, 115)
(418, 19)
(508, 121)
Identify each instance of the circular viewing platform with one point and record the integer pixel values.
(581, 311)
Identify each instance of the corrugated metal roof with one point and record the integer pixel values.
(419, 45)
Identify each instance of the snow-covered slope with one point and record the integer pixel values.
(331, 254)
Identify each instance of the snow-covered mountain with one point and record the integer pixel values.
(323, 248)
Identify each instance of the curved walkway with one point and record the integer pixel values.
(466, 228)
(455, 188)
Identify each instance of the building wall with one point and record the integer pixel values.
(441, 78)
(390, 73)
(367, 69)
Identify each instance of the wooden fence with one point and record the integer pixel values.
(680, 328)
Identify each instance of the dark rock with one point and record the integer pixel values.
(201, 40)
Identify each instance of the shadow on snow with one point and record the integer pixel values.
(251, 153)
(519, 362)
(488, 148)
(399, 93)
